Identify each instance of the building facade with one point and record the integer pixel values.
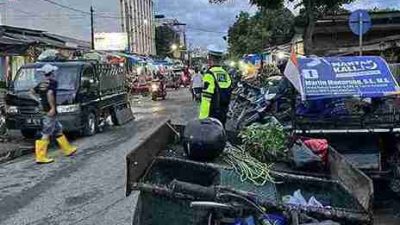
(138, 22)
(180, 29)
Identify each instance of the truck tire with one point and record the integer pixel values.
(90, 127)
(154, 97)
(29, 134)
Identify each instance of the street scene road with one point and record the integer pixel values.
(88, 188)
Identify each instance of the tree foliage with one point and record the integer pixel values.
(165, 37)
(251, 34)
(312, 8)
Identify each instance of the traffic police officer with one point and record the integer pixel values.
(216, 93)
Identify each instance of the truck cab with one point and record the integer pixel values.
(88, 92)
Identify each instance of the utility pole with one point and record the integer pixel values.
(128, 25)
(122, 15)
(132, 23)
(92, 24)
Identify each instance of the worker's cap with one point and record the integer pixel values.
(48, 68)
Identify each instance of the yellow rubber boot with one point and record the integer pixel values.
(65, 146)
(41, 152)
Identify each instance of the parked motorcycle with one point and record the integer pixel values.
(242, 98)
(255, 114)
(252, 104)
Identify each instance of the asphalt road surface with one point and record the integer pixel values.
(88, 188)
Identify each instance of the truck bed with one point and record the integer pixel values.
(159, 160)
(111, 78)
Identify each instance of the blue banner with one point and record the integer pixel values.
(328, 77)
(254, 59)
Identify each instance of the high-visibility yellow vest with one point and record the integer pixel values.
(216, 80)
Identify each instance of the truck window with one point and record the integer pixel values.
(28, 78)
(89, 84)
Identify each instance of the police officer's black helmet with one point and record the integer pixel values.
(204, 140)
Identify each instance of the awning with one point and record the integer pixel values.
(11, 46)
(132, 58)
(332, 77)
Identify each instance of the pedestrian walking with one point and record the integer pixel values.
(47, 91)
(197, 84)
(216, 93)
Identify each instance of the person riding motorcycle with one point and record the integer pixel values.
(216, 93)
(158, 87)
(161, 78)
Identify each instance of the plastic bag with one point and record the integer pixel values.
(313, 202)
(299, 200)
(319, 147)
(304, 158)
(276, 219)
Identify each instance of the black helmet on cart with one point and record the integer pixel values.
(204, 139)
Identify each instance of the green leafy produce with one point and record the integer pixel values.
(265, 142)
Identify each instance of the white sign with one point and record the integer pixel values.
(111, 41)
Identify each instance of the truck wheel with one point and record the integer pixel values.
(90, 125)
(29, 134)
(154, 97)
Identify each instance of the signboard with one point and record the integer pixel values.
(111, 41)
(367, 76)
(360, 22)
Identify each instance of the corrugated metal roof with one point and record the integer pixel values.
(17, 35)
(10, 41)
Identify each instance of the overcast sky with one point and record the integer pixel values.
(207, 24)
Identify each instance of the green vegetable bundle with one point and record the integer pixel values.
(248, 167)
(265, 142)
